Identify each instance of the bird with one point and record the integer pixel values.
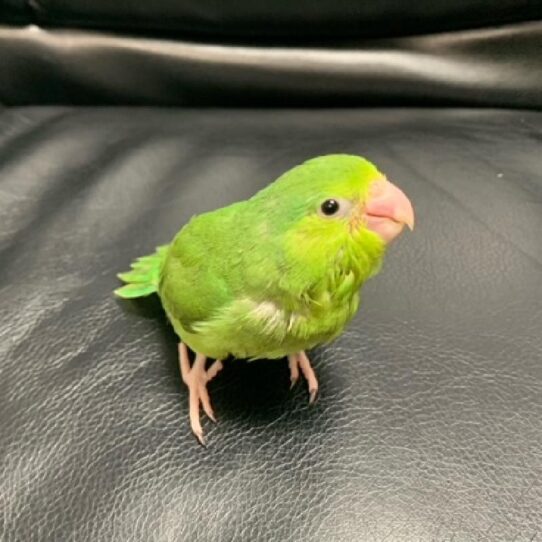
(275, 275)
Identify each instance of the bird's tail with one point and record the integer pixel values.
(143, 279)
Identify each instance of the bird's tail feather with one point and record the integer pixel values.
(143, 279)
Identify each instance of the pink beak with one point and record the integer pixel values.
(387, 210)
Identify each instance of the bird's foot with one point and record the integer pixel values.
(299, 362)
(196, 379)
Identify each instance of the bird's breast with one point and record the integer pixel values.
(312, 321)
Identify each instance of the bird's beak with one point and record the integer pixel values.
(387, 210)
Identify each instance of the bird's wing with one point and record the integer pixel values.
(196, 280)
(225, 259)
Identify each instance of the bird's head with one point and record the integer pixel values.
(339, 207)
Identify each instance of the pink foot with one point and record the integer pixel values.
(300, 362)
(196, 379)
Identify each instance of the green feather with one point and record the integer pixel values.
(135, 290)
(145, 275)
(344, 288)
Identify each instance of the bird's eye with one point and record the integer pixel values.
(334, 207)
(330, 207)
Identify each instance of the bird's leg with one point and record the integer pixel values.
(196, 379)
(300, 362)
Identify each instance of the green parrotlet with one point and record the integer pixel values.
(274, 275)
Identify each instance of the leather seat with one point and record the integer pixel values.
(429, 421)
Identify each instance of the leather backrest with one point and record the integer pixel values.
(279, 20)
(318, 53)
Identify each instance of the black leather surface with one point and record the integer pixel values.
(491, 67)
(259, 19)
(429, 423)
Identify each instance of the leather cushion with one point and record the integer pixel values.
(429, 422)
